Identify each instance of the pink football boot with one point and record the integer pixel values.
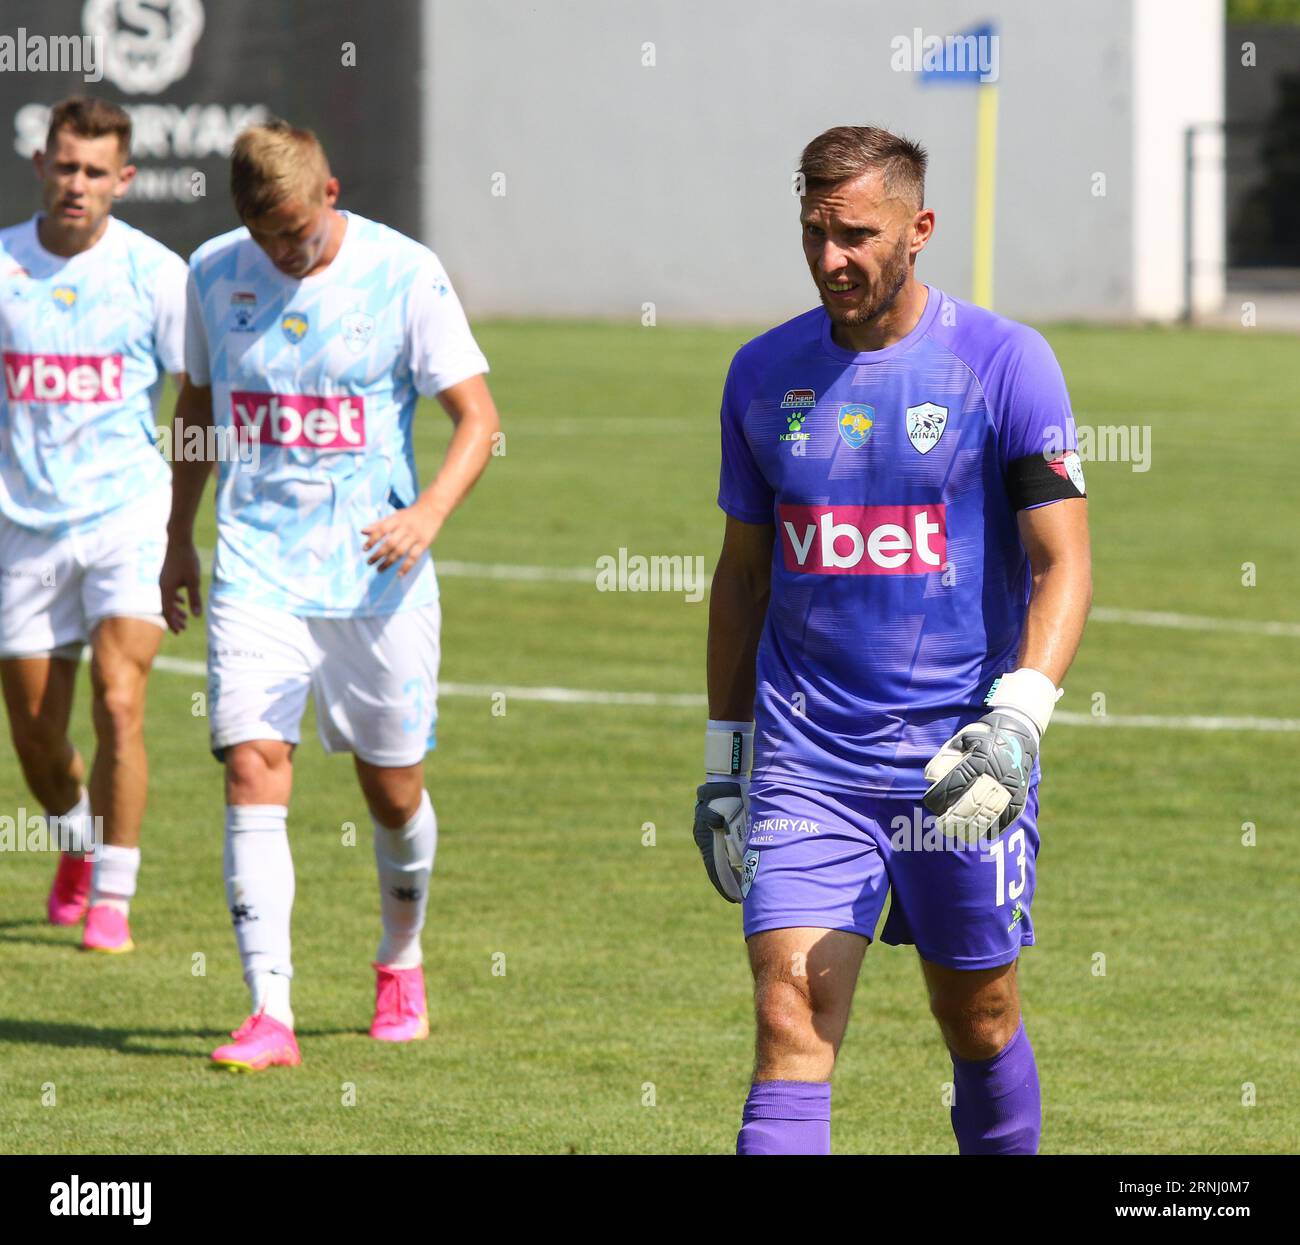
(260, 1042)
(106, 930)
(401, 1014)
(71, 890)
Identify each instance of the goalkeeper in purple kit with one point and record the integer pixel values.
(903, 583)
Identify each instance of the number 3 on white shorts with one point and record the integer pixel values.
(999, 848)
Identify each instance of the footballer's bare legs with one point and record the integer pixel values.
(405, 841)
(978, 1010)
(803, 988)
(996, 1103)
(38, 693)
(259, 771)
(393, 793)
(122, 654)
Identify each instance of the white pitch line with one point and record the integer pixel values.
(1100, 613)
(176, 665)
(1192, 622)
(526, 574)
(576, 695)
(454, 569)
(696, 700)
(1189, 722)
(550, 695)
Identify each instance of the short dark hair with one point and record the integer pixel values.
(89, 118)
(848, 151)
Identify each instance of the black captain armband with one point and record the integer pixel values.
(1039, 478)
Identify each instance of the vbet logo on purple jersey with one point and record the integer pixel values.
(864, 540)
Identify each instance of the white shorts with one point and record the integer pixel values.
(375, 679)
(54, 590)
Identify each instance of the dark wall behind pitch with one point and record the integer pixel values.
(1263, 145)
(252, 59)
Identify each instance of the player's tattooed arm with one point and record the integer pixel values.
(403, 536)
(180, 572)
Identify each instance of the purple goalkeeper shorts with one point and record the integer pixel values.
(826, 860)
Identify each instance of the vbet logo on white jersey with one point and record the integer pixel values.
(119, 1199)
(63, 377)
(288, 419)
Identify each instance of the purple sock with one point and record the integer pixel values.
(996, 1108)
(786, 1117)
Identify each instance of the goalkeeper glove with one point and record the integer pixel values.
(722, 808)
(979, 779)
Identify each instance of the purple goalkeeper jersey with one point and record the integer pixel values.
(899, 581)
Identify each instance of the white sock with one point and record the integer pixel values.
(74, 830)
(404, 858)
(271, 995)
(259, 893)
(113, 882)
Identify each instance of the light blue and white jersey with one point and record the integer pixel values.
(318, 379)
(85, 342)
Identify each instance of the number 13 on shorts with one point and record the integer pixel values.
(1011, 847)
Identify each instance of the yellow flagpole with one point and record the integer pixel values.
(986, 162)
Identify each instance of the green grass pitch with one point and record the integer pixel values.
(622, 1020)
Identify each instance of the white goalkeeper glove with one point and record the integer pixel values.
(722, 808)
(979, 779)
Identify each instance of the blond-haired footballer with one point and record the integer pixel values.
(312, 334)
